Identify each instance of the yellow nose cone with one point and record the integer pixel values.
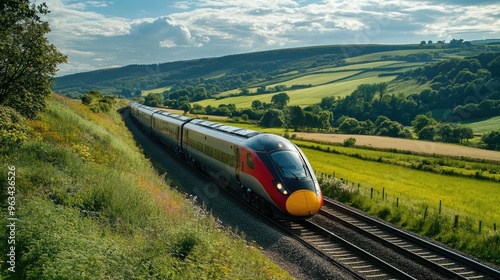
(303, 203)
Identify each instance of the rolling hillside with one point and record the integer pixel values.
(273, 63)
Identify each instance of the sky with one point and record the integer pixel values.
(104, 34)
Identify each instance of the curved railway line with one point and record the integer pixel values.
(341, 252)
(437, 258)
(345, 252)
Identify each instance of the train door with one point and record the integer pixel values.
(237, 163)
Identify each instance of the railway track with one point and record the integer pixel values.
(342, 253)
(439, 259)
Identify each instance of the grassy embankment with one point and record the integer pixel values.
(90, 206)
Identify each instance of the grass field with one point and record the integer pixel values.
(379, 55)
(303, 97)
(156, 90)
(484, 126)
(332, 81)
(467, 197)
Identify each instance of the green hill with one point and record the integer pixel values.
(246, 68)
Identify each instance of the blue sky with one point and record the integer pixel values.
(104, 34)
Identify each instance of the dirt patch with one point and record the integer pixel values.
(416, 146)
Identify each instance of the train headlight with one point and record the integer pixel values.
(281, 188)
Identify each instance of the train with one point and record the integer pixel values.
(265, 170)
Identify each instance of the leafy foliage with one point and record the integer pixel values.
(13, 128)
(27, 60)
(97, 102)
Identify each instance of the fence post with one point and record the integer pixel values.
(358, 187)
(425, 212)
(455, 225)
(383, 193)
(371, 193)
(495, 226)
(397, 202)
(480, 224)
(440, 204)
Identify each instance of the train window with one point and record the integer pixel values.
(290, 164)
(250, 161)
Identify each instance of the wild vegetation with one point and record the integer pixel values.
(90, 205)
(81, 201)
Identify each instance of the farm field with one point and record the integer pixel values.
(302, 97)
(333, 81)
(416, 146)
(468, 197)
(485, 125)
(379, 55)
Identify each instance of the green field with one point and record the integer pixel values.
(484, 126)
(332, 81)
(306, 96)
(156, 90)
(467, 197)
(378, 56)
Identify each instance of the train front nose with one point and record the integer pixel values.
(303, 203)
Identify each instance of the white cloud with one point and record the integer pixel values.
(219, 27)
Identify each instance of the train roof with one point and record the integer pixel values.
(172, 115)
(232, 130)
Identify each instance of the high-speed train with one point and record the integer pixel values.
(267, 170)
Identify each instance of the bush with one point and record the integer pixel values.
(13, 128)
(350, 142)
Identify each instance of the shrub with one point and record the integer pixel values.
(350, 142)
(13, 128)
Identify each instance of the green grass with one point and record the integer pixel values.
(316, 79)
(471, 199)
(333, 81)
(302, 97)
(485, 125)
(156, 90)
(90, 206)
(378, 56)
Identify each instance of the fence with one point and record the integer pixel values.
(330, 183)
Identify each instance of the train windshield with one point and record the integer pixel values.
(289, 164)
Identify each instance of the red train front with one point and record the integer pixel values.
(279, 172)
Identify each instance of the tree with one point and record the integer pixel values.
(350, 142)
(324, 119)
(153, 100)
(256, 104)
(27, 60)
(427, 133)
(349, 125)
(185, 107)
(272, 118)
(296, 117)
(422, 121)
(492, 140)
(280, 100)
